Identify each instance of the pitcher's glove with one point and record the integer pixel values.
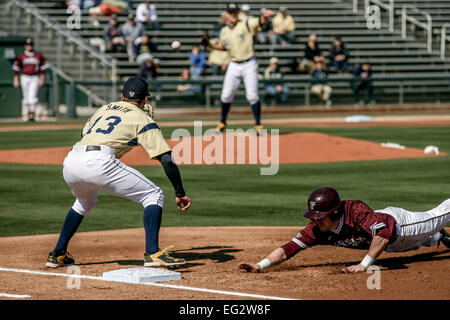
(204, 40)
(148, 109)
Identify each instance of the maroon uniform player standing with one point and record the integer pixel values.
(31, 66)
(353, 224)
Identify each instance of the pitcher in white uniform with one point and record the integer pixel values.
(93, 164)
(237, 37)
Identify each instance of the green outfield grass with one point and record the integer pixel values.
(34, 199)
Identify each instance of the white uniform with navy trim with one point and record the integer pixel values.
(93, 163)
(238, 41)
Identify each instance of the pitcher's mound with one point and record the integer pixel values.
(242, 149)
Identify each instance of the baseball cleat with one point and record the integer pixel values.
(445, 238)
(258, 129)
(161, 258)
(54, 261)
(221, 127)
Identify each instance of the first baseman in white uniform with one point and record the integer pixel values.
(93, 164)
(237, 37)
(31, 66)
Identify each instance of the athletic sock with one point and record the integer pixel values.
(152, 223)
(225, 109)
(256, 108)
(70, 226)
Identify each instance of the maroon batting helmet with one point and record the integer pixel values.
(322, 202)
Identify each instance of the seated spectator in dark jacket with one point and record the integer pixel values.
(364, 72)
(114, 39)
(149, 70)
(187, 87)
(339, 56)
(220, 24)
(313, 55)
(144, 46)
(266, 35)
(319, 84)
(277, 90)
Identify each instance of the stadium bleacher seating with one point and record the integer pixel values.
(388, 52)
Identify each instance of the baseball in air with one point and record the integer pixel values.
(175, 45)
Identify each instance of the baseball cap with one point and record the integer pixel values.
(29, 41)
(273, 60)
(283, 9)
(245, 7)
(135, 88)
(231, 7)
(131, 16)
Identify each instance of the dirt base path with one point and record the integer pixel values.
(212, 255)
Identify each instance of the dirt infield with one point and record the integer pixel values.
(212, 255)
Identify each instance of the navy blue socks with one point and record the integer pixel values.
(256, 108)
(70, 226)
(225, 110)
(152, 223)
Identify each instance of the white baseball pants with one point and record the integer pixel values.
(30, 88)
(416, 229)
(236, 72)
(86, 172)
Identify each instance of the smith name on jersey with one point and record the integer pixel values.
(121, 126)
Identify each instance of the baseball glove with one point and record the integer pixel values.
(204, 40)
(148, 109)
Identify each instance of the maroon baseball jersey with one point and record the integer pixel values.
(30, 63)
(357, 226)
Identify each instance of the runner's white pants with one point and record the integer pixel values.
(416, 229)
(86, 172)
(236, 72)
(30, 88)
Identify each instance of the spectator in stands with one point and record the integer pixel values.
(107, 8)
(113, 36)
(364, 72)
(284, 26)
(218, 59)
(319, 84)
(339, 55)
(220, 24)
(245, 12)
(131, 30)
(144, 46)
(313, 55)
(149, 70)
(197, 58)
(266, 35)
(185, 75)
(276, 90)
(146, 14)
(83, 4)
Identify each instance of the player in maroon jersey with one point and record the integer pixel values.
(31, 66)
(353, 224)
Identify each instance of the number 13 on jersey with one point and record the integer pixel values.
(110, 125)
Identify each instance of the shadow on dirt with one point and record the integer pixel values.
(221, 254)
(387, 263)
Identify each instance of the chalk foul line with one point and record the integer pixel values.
(154, 284)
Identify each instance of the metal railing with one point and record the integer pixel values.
(444, 38)
(389, 7)
(67, 44)
(303, 84)
(428, 27)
